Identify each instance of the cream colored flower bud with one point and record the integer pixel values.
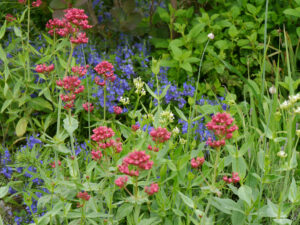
(282, 154)
(272, 90)
(297, 110)
(211, 36)
(298, 133)
(175, 131)
(182, 141)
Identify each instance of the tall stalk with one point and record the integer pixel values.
(28, 54)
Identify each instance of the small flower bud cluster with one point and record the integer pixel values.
(135, 127)
(53, 164)
(197, 162)
(124, 101)
(96, 155)
(22, 1)
(166, 117)
(182, 141)
(88, 106)
(72, 86)
(83, 195)
(160, 135)
(139, 85)
(80, 70)
(282, 154)
(235, 178)
(152, 189)
(121, 181)
(9, 18)
(42, 68)
(37, 3)
(106, 70)
(117, 110)
(102, 135)
(74, 20)
(137, 158)
(155, 149)
(289, 103)
(220, 125)
(175, 131)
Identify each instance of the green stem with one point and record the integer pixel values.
(158, 94)
(216, 166)
(191, 116)
(104, 103)
(28, 55)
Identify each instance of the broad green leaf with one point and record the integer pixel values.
(293, 191)
(178, 212)
(251, 8)
(164, 92)
(245, 193)
(283, 221)
(1, 221)
(3, 54)
(70, 124)
(181, 115)
(239, 165)
(124, 210)
(186, 66)
(163, 14)
(6, 104)
(292, 12)
(150, 91)
(4, 191)
(226, 205)
(2, 30)
(40, 104)
(176, 51)
(21, 127)
(150, 221)
(189, 202)
(17, 31)
(232, 31)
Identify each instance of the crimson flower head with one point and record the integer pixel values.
(234, 179)
(96, 155)
(152, 189)
(139, 159)
(106, 70)
(88, 106)
(160, 135)
(9, 18)
(42, 68)
(117, 110)
(22, 1)
(197, 162)
(80, 70)
(84, 196)
(77, 17)
(135, 127)
(102, 133)
(53, 164)
(221, 126)
(121, 181)
(37, 3)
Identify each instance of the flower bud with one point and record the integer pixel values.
(211, 36)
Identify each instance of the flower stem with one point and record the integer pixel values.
(216, 166)
(104, 103)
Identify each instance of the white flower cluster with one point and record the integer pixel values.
(182, 141)
(289, 103)
(175, 131)
(166, 117)
(139, 85)
(124, 101)
(148, 117)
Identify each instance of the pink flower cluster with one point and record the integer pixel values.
(88, 106)
(197, 162)
(121, 181)
(220, 125)
(106, 70)
(9, 18)
(102, 135)
(96, 155)
(155, 149)
(80, 70)
(135, 127)
(42, 68)
(22, 1)
(74, 20)
(137, 158)
(83, 195)
(72, 86)
(235, 178)
(117, 110)
(160, 135)
(53, 164)
(152, 189)
(37, 3)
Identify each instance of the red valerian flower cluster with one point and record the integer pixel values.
(220, 125)
(88, 106)
(135, 127)
(9, 18)
(73, 22)
(80, 70)
(22, 1)
(72, 86)
(117, 110)
(121, 181)
(155, 149)
(37, 3)
(53, 165)
(152, 189)
(106, 70)
(160, 135)
(42, 68)
(102, 135)
(96, 155)
(83, 195)
(197, 162)
(235, 178)
(137, 158)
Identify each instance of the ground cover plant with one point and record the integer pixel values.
(135, 133)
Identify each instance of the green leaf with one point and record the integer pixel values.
(2, 30)
(2, 54)
(123, 211)
(163, 14)
(17, 31)
(189, 202)
(6, 104)
(233, 32)
(150, 91)
(251, 8)
(164, 92)
(21, 127)
(293, 192)
(195, 31)
(186, 66)
(245, 193)
(226, 205)
(176, 51)
(181, 115)
(171, 165)
(1, 221)
(239, 165)
(292, 12)
(150, 221)
(4, 191)
(40, 104)
(70, 124)
(58, 4)
(283, 221)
